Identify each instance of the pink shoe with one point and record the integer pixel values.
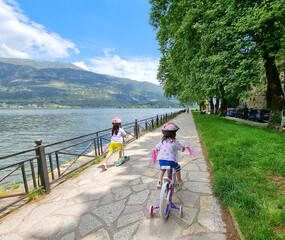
(104, 166)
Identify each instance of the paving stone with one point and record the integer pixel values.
(88, 196)
(69, 223)
(209, 236)
(210, 214)
(135, 182)
(70, 194)
(109, 213)
(203, 167)
(156, 228)
(126, 233)
(154, 198)
(133, 208)
(78, 209)
(130, 218)
(108, 198)
(11, 222)
(191, 167)
(138, 170)
(148, 179)
(188, 198)
(199, 176)
(38, 213)
(10, 237)
(194, 229)
(198, 187)
(138, 198)
(151, 172)
(140, 187)
(69, 236)
(46, 227)
(189, 214)
(84, 182)
(102, 234)
(88, 223)
(121, 192)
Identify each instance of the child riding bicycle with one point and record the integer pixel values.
(167, 152)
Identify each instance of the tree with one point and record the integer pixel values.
(216, 49)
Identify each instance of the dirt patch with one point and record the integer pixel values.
(279, 181)
(231, 231)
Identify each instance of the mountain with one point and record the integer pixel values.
(24, 82)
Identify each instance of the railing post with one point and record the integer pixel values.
(146, 125)
(42, 165)
(166, 117)
(157, 123)
(152, 123)
(136, 129)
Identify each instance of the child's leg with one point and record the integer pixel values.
(161, 173)
(178, 175)
(120, 154)
(159, 182)
(104, 162)
(107, 158)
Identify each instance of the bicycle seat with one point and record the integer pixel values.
(165, 167)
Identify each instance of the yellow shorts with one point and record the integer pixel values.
(114, 145)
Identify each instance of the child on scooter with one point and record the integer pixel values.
(117, 136)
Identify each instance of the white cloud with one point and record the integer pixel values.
(81, 65)
(22, 38)
(136, 68)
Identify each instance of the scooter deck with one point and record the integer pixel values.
(123, 159)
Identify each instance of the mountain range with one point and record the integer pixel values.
(24, 82)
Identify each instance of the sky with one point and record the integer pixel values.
(104, 36)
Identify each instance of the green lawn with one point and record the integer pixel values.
(249, 173)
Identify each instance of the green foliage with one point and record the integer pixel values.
(3, 191)
(36, 193)
(73, 175)
(217, 49)
(249, 173)
(14, 186)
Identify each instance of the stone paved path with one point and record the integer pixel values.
(114, 204)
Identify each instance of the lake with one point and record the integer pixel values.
(19, 128)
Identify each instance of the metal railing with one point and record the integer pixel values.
(47, 165)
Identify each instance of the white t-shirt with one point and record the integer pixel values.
(119, 137)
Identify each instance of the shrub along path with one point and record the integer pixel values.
(115, 204)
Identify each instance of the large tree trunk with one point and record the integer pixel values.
(223, 101)
(217, 106)
(212, 106)
(275, 94)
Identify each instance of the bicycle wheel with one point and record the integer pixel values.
(164, 201)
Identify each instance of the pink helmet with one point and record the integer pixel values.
(169, 127)
(116, 120)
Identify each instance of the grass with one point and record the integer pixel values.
(3, 191)
(14, 186)
(36, 193)
(73, 175)
(249, 173)
(99, 159)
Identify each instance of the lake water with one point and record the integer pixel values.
(20, 128)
